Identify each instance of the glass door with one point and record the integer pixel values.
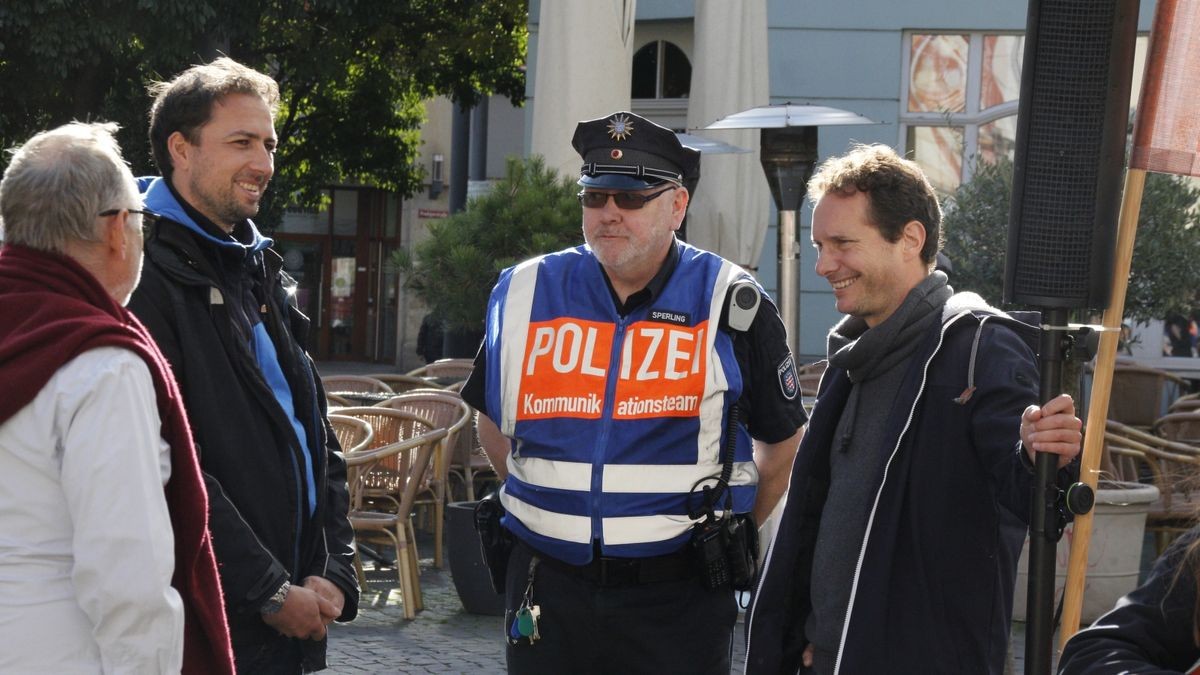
(304, 260)
(342, 319)
(340, 258)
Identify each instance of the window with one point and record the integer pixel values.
(961, 91)
(960, 95)
(662, 77)
(661, 70)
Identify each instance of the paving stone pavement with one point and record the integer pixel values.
(443, 638)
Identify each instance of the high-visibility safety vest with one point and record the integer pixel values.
(615, 423)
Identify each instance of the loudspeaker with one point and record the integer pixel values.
(1071, 129)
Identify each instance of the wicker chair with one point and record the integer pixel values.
(400, 383)
(447, 411)
(468, 461)
(809, 376)
(1140, 395)
(1172, 467)
(1183, 427)
(357, 383)
(1186, 403)
(336, 401)
(446, 371)
(353, 434)
(470, 464)
(384, 485)
(416, 455)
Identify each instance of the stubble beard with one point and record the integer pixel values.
(630, 254)
(226, 208)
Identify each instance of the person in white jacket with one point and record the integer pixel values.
(86, 544)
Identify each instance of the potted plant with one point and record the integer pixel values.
(531, 211)
(468, 570)
(1114, 554)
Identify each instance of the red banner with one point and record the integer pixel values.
(1166, 136)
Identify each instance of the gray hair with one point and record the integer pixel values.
(59, 182)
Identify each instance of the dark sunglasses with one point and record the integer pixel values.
(630, 201)
(149, 218)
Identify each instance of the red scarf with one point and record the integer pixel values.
(52, 310)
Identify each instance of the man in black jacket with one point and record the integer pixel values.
(215, 300)
(910, 494)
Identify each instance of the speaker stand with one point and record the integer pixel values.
(1044, 531)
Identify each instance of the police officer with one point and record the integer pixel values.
(611, 382)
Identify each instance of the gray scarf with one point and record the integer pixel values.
(865, 353)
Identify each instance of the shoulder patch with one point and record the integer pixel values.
(789, 383)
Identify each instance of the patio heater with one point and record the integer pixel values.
(788, 154)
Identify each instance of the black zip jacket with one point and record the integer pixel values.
(934, 587)
(192, 299)
(1151, 630)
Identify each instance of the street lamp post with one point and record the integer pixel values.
(788, 150)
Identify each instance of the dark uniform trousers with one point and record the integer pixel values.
(589, 625)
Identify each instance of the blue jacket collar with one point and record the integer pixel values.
(157, 197)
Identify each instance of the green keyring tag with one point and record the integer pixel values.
(524, 622)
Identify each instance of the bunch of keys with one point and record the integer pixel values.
(525, 622)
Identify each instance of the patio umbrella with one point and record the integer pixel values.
(583, 70)
(729, 73)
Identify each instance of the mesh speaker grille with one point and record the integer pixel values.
(1065, 141)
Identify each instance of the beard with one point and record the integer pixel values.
(634, 251)
(222, 205)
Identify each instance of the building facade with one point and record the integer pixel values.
(941, 79)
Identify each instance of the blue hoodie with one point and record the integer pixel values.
(157, 197)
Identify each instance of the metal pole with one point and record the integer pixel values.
(460, 154)
(479, 140)
(787, 275)
(1043, 515)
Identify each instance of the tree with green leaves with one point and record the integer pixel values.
(352, 73)
(1165, 272)
(531, 211)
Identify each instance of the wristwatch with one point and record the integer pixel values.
(275, 602)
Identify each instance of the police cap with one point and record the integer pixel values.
(624, 151)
